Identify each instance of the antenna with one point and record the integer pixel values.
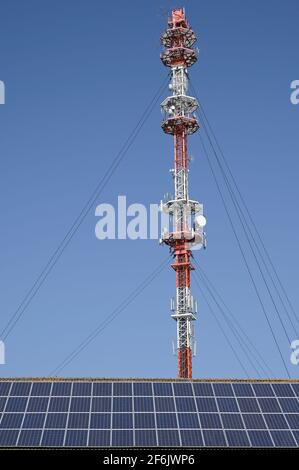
(180, 121)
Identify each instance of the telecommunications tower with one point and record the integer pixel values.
(185, 215)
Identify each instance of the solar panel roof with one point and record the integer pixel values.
(148, 412)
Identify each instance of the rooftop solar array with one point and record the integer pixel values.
(97, 413)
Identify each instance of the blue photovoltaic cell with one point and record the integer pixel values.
(168, 438)
(61, 388)
(260, 439)
(11, 420)
(122, 438)
(144, 420)
(185, 404)
(223, 389)
(188, 420)
(82, 389)
(80, 404)
(34, 420)
(295, 387)
(293, 420)
(4, 388)
(100, 420)
(232, 421)
(53, 437)
(59, 404)
(289, 405)
(145, 438)
(248, 405)
(142, 389)
(243, 390)
(36, 404)
(8, 437)
(101, 404)
(78, 421)
(41, 389)
(16, 404)
(269, 405)
(182, 389)
(30, 438)
(56, 420)
(166, 420)
(296, 436)
(99, 438)
(214, 437)
(210, 421)
(2, 403)
(122, 389)
(227, 404)
(203, 389)
(164, 404)
(102, 389)
(122, 404)
(163, 389)
(20, 389)
(206, 404)
(237, 439)
(283, 390)
(254, 421)
(283, 439)
(191, 437)
(76, 438)
(275, 421)
(143, 404)
(122, 421)
(263, 390)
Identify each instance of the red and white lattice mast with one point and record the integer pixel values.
(185, 214)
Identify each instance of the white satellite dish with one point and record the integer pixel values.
(200, 220)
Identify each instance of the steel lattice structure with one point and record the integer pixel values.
(187, 228)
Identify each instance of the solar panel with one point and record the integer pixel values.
(101, 404)
(167, 420)
(36, 404)
(82, 389)
(191, 438)
(185, 404)
(61, 388)
(226, 404)
(223, 390)
(30, 438)
(232, 421)
(206, 404)
(59, 404)
(169, 438)
(145, 438)
(122, 438)
(237, 438)
(100, 421)
(4, 388)
(78, 421)
(144, 421)
(34, 420)
(99, 438)
(76, 438)
(142, 389)
(102, 389)
(103, 413)
(143, 404)
(188, 420)
(53, 437)
(122, 404)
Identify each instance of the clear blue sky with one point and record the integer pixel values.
(78, 75)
